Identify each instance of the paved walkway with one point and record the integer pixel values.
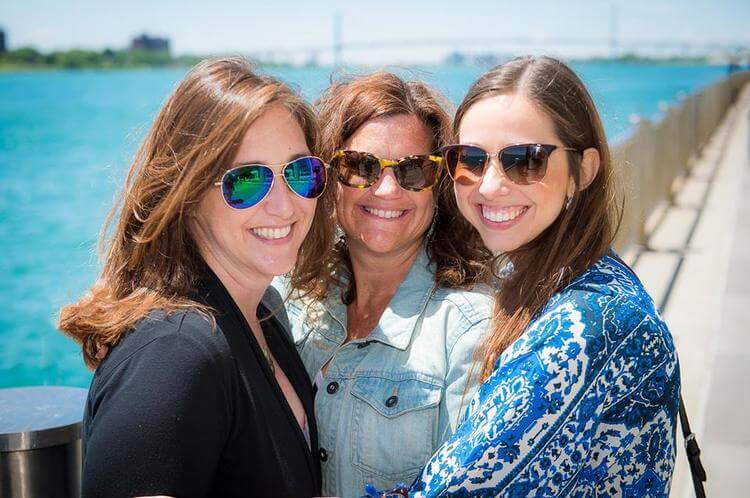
(697, 267)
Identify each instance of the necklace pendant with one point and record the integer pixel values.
(269, 360)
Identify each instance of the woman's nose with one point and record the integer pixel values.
(493, 182)
(387, 185)
(279, 202)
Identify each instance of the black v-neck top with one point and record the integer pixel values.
(180, 408)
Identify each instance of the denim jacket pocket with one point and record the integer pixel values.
(394, 429)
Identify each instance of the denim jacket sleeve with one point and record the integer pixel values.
(462, 377)
(470, 320)
(294, 310)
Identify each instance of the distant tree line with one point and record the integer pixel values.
(31, 58)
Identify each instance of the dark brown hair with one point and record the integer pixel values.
(150, 256)
(347, 105)
(584, 231)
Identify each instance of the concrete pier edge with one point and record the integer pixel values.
(697, 265)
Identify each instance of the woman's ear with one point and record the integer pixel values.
(589, 167)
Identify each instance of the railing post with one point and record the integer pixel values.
(656, 154)
(40, 441)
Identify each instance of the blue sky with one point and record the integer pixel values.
(223, 26)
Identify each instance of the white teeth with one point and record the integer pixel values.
(272, 233)
(380, 213)
(502, 214)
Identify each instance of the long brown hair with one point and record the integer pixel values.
(150, 255)
(348, 104)
(584, 231)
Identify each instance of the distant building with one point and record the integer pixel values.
(3, 48)
(152, 44)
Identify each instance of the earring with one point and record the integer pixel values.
(568, 202)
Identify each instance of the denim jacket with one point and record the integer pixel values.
(387, 401)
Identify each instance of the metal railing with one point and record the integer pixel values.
(657, 154)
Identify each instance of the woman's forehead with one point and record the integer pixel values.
(502, 120)
(391, 137)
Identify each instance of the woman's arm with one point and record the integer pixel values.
(562, 407)
(158, 422)
(462, 376)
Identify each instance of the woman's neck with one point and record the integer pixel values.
(246, 290)
(377, 276)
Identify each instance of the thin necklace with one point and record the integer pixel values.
(269, 359)
(266, 352)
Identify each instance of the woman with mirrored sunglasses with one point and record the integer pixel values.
(388, 329)
(198, 389)
(580, 377)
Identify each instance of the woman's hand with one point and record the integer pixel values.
(399, 491)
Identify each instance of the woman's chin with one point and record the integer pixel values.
(275, 265)
(500, 244)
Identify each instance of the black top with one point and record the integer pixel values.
(182, 409)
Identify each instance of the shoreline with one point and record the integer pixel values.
(41, 68)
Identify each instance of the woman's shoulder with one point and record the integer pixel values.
(281, 295)
(610, 279)
(603, 307)
(462, 315)
(606, 284)
(473, 305)
(181, 340)
(292, 312)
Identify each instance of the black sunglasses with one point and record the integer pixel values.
(523, 164)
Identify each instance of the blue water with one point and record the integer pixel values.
(65, 143)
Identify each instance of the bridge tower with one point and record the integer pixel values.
(337, 43)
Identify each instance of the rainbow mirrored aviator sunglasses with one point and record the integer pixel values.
(246, 185)
(523, 164)
(362, 170)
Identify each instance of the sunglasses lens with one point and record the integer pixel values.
(525, 164)
(465, 163)
(417, 172)
(306, 176)
(356, 169)
(246, 186)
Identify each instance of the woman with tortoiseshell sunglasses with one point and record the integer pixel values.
(388, 325)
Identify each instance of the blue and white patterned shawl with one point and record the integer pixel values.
(583, 404)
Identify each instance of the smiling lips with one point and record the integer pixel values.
(502, 214)
(272, 233)
(385, 213)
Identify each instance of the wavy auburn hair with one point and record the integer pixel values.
(150, 255)
(347, 105)
(584, 231)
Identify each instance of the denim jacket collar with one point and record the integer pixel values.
(396, 326)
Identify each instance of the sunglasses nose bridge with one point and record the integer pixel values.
(387, 184)
(494, 163)
(279, 199)
(386, 163)
(494, 181)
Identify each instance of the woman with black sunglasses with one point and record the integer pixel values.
(202, 392)
(580, 377)
(388, 329)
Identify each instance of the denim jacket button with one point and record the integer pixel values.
(332, 387)
(323, 455)
(391, 402)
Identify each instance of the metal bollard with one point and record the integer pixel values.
(40, 442)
